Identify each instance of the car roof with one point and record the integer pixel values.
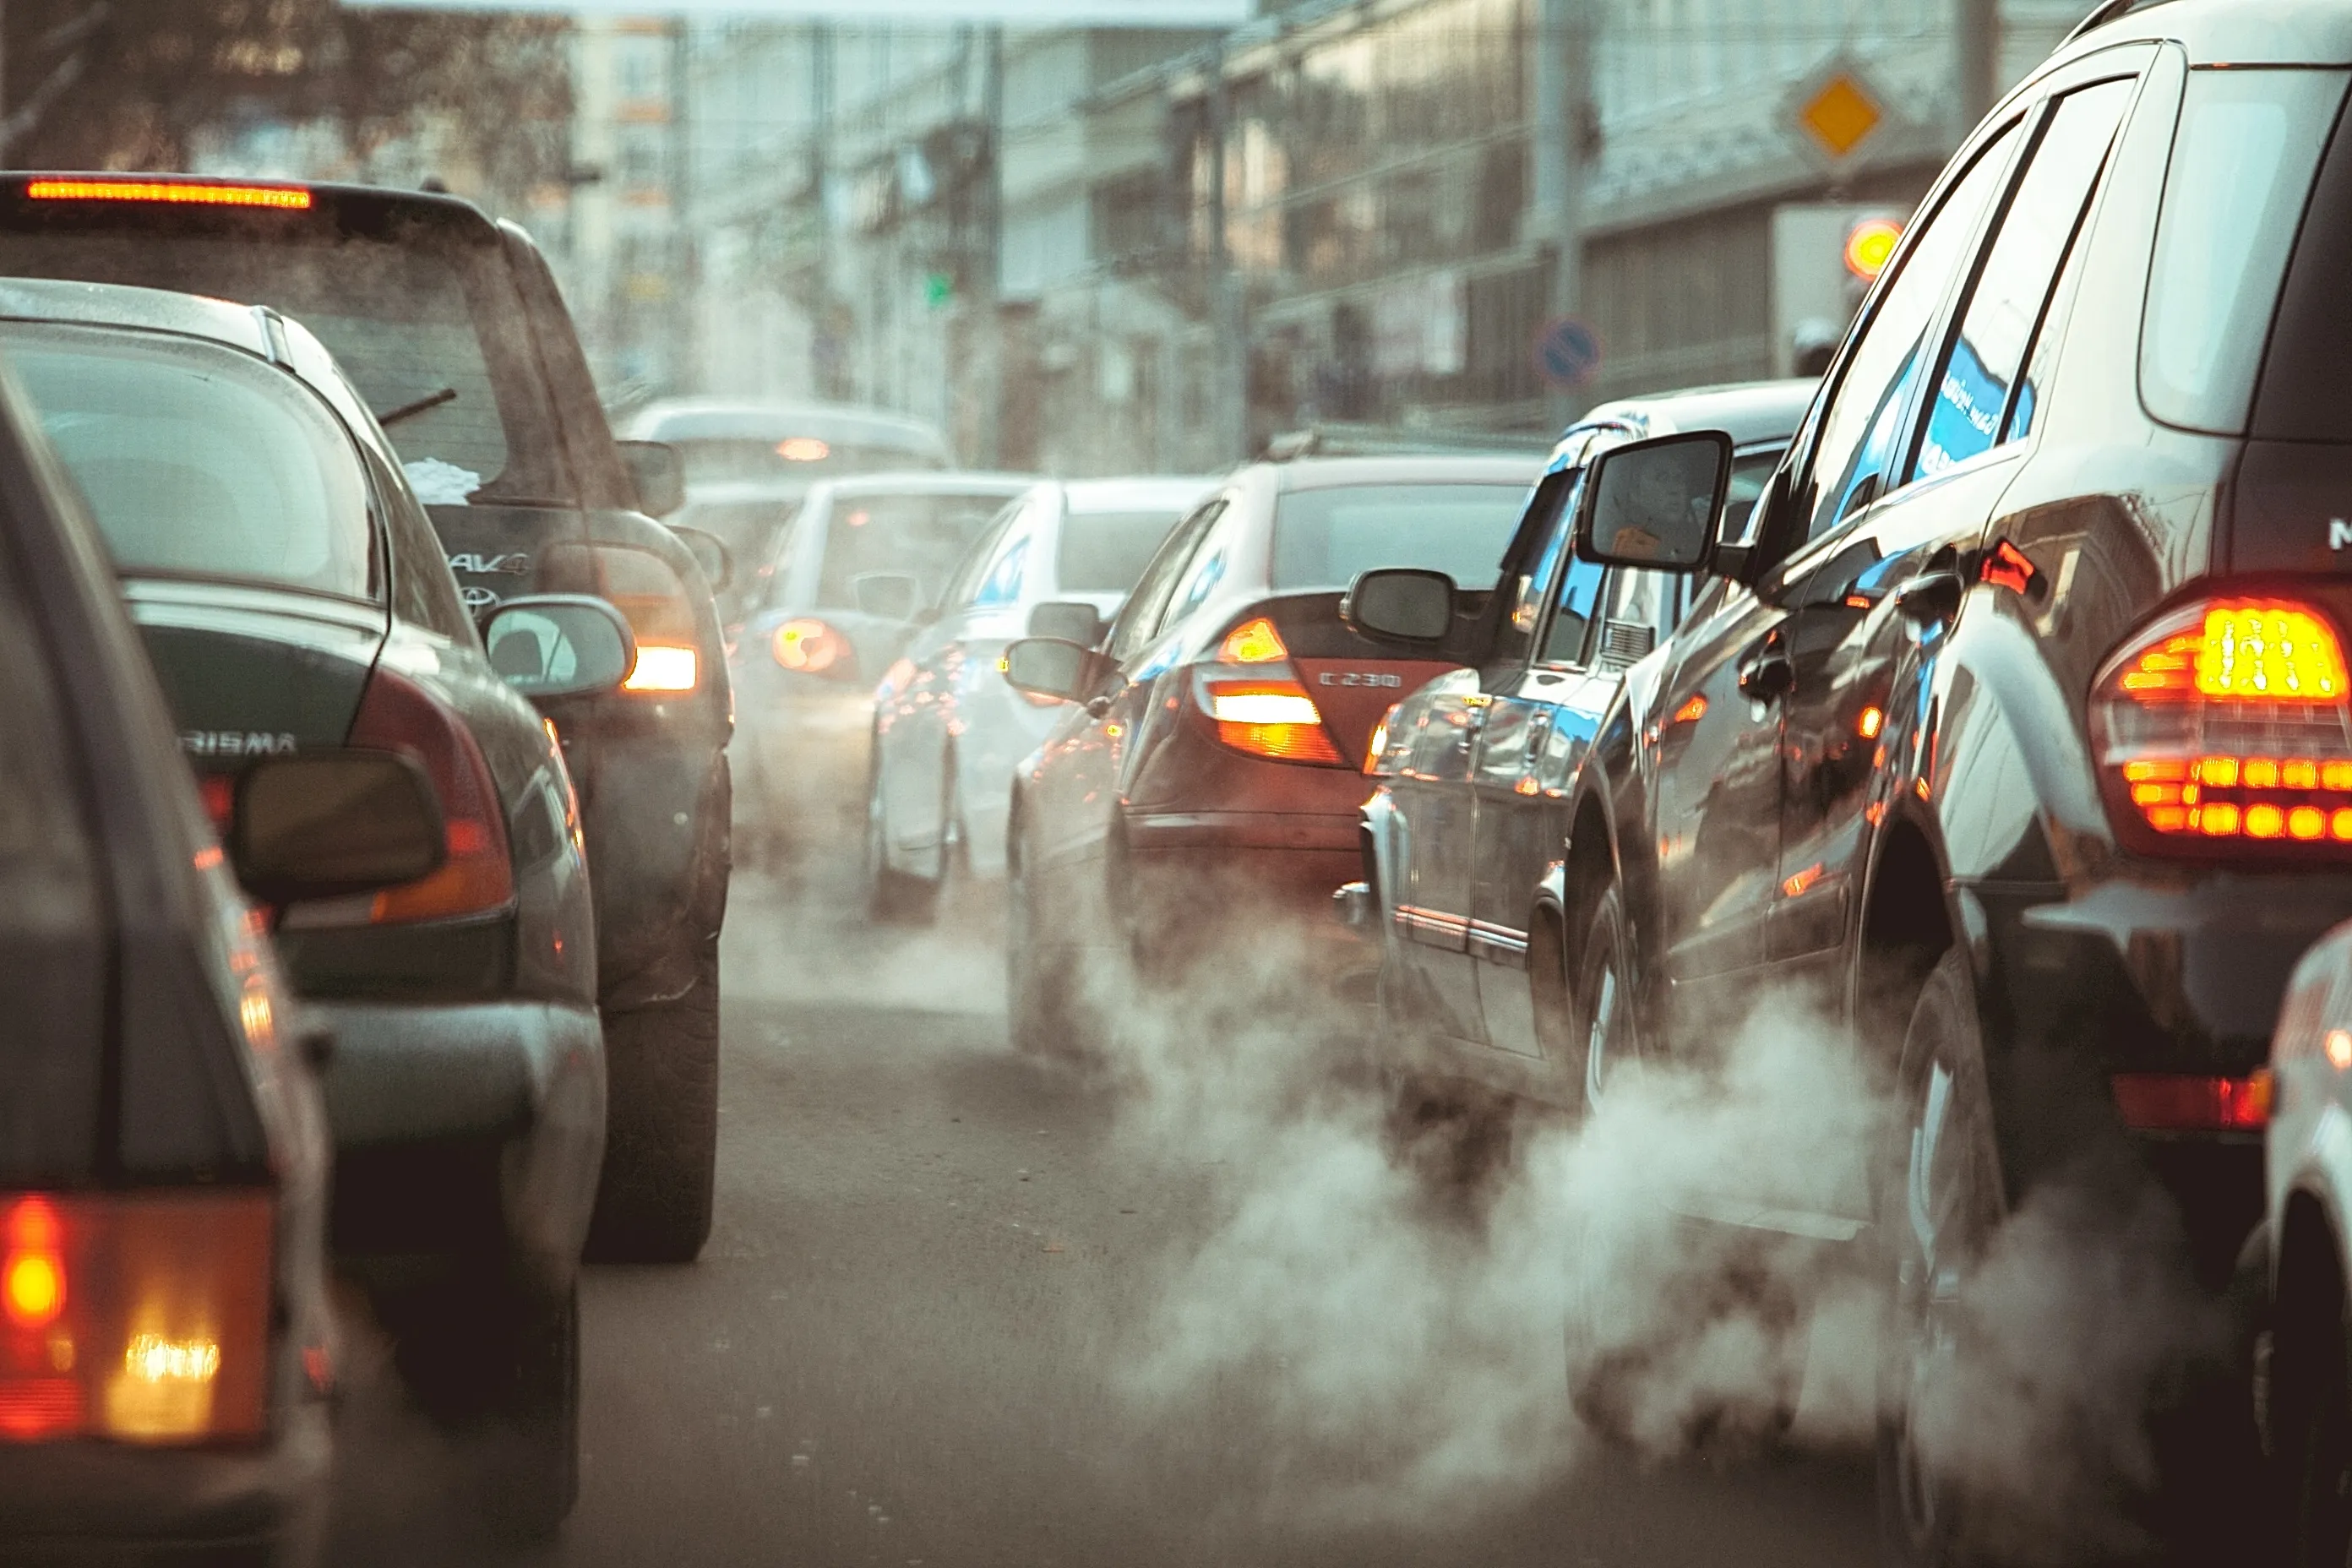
(2227, 32)
(925, 482)
(720, 418)
(1749, 412)
(1170, 490)
(1330, 473)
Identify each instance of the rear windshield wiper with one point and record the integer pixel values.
(431, 400)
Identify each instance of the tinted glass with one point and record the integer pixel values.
(1325, 538)
(923, 535)
(1864, 427)
(1546, 540)
(196, 462)
(1106, 551)
(1973, 393)
(2241, 166)
(429, 326)
(1002, 586)
(1571, 623)
(1140, 616)
(1750, 472)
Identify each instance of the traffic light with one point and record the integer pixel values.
(1825, 256)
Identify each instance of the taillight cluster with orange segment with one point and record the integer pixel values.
(2227, 725)
(654, 599)
(142, 1318)
(1255, 699)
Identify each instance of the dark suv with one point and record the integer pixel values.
(452, 327)
(2017, 725)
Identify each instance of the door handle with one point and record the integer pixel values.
(1929, 597)
(1768, 676)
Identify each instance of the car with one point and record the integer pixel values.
(293, 598)
(862, 560)
(749, 463)
(2018, 737)
(1468, 817)
(167, 1345)
(948, 731)
(453, 329)
(1211, 755)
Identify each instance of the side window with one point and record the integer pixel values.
(1532, 584)
(959, 592)
(1980, 402)
(1140, 616)
(1001, 583)
(1565, 640)
(422, 591)
(1864, 424)
(1200, 580)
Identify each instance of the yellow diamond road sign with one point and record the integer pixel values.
(1841, 115)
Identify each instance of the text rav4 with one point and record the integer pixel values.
(1359, 678)
(513, 565)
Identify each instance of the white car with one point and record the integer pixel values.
(948, 728)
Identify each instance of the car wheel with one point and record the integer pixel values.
(532, 1475)
(892, 897)
(2310, 1411)
(1603, 1030)
(1037, 973)
(661, 1137)
(1940, 1203)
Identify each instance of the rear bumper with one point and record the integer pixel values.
(810, 747)
(2179, 973)
(1231, 876)
(465, 1129)
(94, 1504)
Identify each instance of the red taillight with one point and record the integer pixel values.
(1253, 642)
(178, 193)
(398, 715)
(806, 646)
(142, 1317)
(1255, 699)
(2226, 723)
(2187, 1102)
(654, 600)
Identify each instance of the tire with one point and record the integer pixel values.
(1038, 977)
(1941, 1186)
(892, 897)
(661, 1137)
(1604, 1025)
(2311, 1413)
(533, 1476)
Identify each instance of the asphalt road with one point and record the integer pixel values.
(937, 1266)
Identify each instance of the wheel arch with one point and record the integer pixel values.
(1907, 923)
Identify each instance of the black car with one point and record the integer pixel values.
(292, 598)
(1471, 810)
(2020, 730)
(453, 329)
(166, 1353)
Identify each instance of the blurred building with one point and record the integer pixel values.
(1111, 249)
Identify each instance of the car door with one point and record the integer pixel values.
(1540, 717)
(1875, 587)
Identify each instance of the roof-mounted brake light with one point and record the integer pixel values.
(287, 198)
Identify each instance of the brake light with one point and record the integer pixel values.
(809, 646)
(398, 715)
(1376, 750)
(2226, 723)
(2187, 1102)
(654, 601)
(1253, 642)
(1272, 718)
(142, 1318)
(187, 193)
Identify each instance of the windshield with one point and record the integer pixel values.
(427, 330)
(923, 536)
(1106, 551)
(717, 460)
(196, 462)
(1327, 537)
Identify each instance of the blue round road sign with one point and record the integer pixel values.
(1567, 353)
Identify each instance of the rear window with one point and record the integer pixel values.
(2304, 396)
(428, 328)
(748, 528)
(1327, 537)
(197, 462)
(2241, 167)
(1106, 551)
(923, 536)
(806, 457)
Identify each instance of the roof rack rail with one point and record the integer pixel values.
(2107, 11)
(1353, 440)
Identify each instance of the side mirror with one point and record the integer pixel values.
(1068, 620)
(332, 823)
(1049, 666)
(560, 644)
(658, 474)
(1402, 604)
(710, 553)
(892, 596)
(1653, 503)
